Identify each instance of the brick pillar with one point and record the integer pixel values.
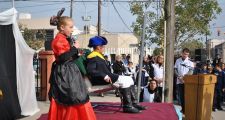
(46, 59)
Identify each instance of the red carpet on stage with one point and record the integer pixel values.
(155, 111)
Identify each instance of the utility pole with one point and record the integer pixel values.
(207, 47)
(99, 17)
(71, 8)
(13, 3)
(170, 38)
(141, 56)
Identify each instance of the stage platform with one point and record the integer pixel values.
(155, 111)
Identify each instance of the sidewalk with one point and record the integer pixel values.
(44, 106)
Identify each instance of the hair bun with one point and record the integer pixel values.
(54, 20)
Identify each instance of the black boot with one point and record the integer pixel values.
(117, 92)
(134, 99)
(126, 99)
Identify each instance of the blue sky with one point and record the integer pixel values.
(110, 20)
(219, 22)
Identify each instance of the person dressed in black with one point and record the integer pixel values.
(150, 93)
(119, 69)
(147, 72)
(131, 70)
(100, 74)
(219, 87)
(107, 61)
(118, 66)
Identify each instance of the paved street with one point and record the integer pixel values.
(44, 106)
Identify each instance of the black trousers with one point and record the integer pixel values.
(180, 91)
(160, 91)
(217, 98)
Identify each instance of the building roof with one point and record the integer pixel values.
(36, 23)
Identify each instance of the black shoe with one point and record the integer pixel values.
(182, 111)
(130, 109)
(140, 107)
(117, 94)
(214, 109)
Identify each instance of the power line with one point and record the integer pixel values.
(75, 1)
(120, 4)
(39, 5)
(121, 17)
(47, 10)
(84, 4)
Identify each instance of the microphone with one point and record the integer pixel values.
(183, 65)
(191, 68)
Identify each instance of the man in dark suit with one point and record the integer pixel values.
(100, 74)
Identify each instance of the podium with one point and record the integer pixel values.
(46, 59)
(198, 94)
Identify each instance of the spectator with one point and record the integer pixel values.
(151, 59)
(216, 60)
(223, 69)
(119, 69)
(107, 61)
(158, 73)
(150, 93)
(125, 59)
(219, 87)
(210, 69)
(118, 66)
(128, 58)
(147, 71)
(130, 70)
(204, 69)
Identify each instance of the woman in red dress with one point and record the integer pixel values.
(68, 94)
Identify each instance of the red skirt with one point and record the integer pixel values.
(75, 112)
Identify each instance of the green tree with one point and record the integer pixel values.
(158, 51)
(192, 19)
(137, 9)
(31, 38)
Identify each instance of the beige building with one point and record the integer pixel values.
(211, 47)
(118, 44)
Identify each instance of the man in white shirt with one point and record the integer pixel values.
(183, 66)
(158, 73)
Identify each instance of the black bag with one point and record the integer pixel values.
(67, 84)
